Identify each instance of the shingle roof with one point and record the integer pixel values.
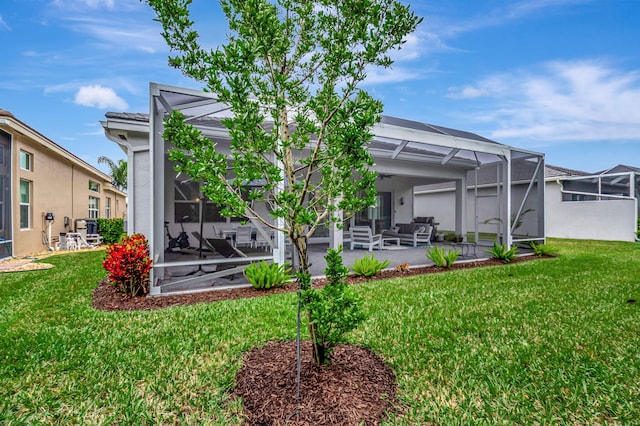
(556, 171)
(134, 116)
(620, 168)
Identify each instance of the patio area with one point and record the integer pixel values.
(196, 279)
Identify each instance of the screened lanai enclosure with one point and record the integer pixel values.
(407, 154)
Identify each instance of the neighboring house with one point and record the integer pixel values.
(578, 204)
(407, 154)
(38, 176)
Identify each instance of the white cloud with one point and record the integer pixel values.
(79, 4)
(110, 4)
(100, 97)
(4, 25)
(396, 74)
(444, 29)
(563, 101)
(123, 34)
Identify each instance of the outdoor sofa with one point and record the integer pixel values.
(410, 233)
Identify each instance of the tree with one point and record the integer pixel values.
(300, 125)
(118, 171)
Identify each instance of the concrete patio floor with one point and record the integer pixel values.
(396, 255)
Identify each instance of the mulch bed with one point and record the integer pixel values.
(107, 298)
(356, 388)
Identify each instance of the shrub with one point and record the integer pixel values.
(110, 230)
(441, 258)
(333, 310)
(263, 275)
(128, 264)
(543, 249)
(453, 237)
(368, 266)
(500, 252)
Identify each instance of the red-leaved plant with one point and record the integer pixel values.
(128, 264)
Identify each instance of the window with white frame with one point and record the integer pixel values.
(25, 204)
(107, 208)
(94, 207)
(94, 186)
(26, 161)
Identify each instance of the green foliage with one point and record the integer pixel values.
(111, 230)
(500, 252)
(118, 172)
(638, 229)
(368, 266)
(264, 276)
(453, 237)
(289, 72)
(543, 249)
(441, 258)
(334, 310)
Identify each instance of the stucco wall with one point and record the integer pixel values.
(59, 184)
(400, 188)
(612, 220)
(142, 194)
(442, 206)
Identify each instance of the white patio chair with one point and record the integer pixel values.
(243, 236)
(362, 236)
(261, 241)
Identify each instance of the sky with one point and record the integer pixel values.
(561, 77)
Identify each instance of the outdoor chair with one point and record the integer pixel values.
(243, 236)
(66, 243)
(261, 241)
(216, 232)
(362, 236)
(223, 248)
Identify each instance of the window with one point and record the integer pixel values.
(94, 207)
(107, 208)
(25, 204)
(94, 186)
(26, 162)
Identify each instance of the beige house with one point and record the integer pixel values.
(38, 177)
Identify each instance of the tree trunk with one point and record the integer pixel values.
(305, 284)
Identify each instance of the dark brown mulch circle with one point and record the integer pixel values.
(357, 388)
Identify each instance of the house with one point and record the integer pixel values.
(578, 204)
(407, 154)
(44, 189)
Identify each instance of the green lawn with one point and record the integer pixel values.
(549, 341)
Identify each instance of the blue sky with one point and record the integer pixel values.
(556, 76)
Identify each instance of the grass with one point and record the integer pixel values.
(549, 341)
